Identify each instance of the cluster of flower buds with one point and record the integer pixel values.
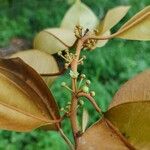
(91, 43)
(78, 31)
(66, 109)
(85, 86)
(68, 57)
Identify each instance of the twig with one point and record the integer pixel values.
(91, 99)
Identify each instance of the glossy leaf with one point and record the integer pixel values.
(42, 62)
(100, 137)
(138, 27)
(53, 40)
(25, 101)
(112, 17)
(79, 14)
(130, 110)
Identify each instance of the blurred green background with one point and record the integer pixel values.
(107, 67)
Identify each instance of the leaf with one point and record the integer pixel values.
(25, 101)
(137, 28)
(112, 17)
(130, 110)
(85, 119)
(100, 137)
(79, 14)
(53, 40)
(40, 61)
(101, 43)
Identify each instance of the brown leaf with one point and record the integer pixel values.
(25, 101)
(79, 14)
(53, 40)
(138, 27)
(130, 110)
(42, 62)
(112, 17)
(100, 137)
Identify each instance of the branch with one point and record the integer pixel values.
(53, 74)
(91, 99)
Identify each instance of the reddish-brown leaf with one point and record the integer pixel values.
(100, 137)
(25, 101)
(130, 110)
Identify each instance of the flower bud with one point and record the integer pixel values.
(84, 57)
(85, 89)
(66, 65)
(69, 103)
(88, 82)
(59, 53)
(66, 50)
(81, 102)
(62, 109)
(83, 76)
(81, 63)
(68, 107)
(92, 93)
(63, 84)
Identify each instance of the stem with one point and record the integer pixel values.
(66, 139)
(74, 101)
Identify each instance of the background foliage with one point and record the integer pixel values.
(107, 68)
